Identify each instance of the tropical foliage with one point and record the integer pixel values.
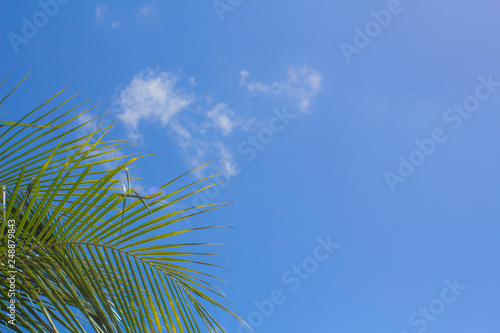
(88, 252)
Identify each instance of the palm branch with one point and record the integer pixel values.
(85, 260)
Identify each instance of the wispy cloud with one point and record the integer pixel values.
(198, 147)
(146, 9)
(100, 12)
(196, 126)
(301, 85)
(89, 127)
(102, 16)
(223, 118)
(151, 96)
(192, 81)
(200, 127)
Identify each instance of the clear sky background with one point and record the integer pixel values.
(310, 118)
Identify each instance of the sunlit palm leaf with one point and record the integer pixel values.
(85, 261)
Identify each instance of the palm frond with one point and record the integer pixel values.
(91, 254)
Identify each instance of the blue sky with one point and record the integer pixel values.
(342, 219)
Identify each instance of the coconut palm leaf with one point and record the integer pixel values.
(91, 255)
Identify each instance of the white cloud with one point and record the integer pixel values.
(193, 147)
(223, 118)
(200, 126)
(196, 125)
(100, 12)
(301, 85)
(146, 9)
(192, 82)
(89, 127)
(151, 96)
(273, 88)
(199, 148)
(102, 16)
(226, 158)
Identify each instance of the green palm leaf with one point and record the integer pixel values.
(91, 254)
